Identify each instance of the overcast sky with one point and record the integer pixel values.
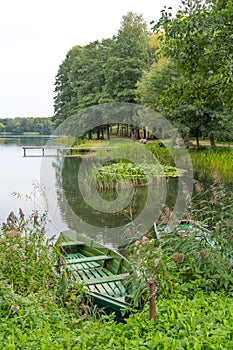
(36, 35)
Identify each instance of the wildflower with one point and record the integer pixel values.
(156, 262)
(13, 233)
(144, 240)
(165, 216)
(14, 247)
(35, 217)
(84, 307)
(21, 214)
(51, 239)
(204, 254)
(198, 186)
(12, 218)
(178, 257)
(15, 307)
(137, 243)
(217, 178)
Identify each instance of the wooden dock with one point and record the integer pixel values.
(61, 151)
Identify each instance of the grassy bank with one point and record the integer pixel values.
(41, 308)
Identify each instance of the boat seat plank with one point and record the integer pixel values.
(116, 301)
(112, 285)
(105, 287)
(107, 279)
(89, 259)
(72, 244)
(83, 266)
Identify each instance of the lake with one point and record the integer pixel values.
(51, 184)
(20, 179)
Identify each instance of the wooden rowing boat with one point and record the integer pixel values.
(184, 228)
(106, 273)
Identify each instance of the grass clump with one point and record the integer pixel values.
(209, 163)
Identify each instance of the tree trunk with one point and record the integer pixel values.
(212, 141)
(98, 134)
(197, 139)
(107, 130)
(127, 130)
(144, 133)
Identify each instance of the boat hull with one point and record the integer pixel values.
(105, 272)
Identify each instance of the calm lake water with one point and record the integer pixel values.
(20, 179)
(51, 183)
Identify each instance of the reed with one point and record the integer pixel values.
(208, 163)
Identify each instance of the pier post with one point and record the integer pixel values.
(152, 288)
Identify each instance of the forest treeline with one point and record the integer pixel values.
(19, 126)
(181, 67)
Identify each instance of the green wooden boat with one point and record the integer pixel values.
(106, 273)
(184, 228)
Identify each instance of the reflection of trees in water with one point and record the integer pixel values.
(25, 140)
(85, 212)
(75, 211)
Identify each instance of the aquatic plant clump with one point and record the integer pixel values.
(137, 173)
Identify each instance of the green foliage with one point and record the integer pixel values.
(209, 163)
(137, 174)
(182, 323)
(151, 85)
(42, 309)
(130, 54)
(103, 71)
(38, 306)
(161, 153)
(197, 260)
(42, 126)
(214, 208)
(26, 256)
(199, 43)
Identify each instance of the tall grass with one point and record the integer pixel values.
(209, 163)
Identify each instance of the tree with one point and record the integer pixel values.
(65, 101)
(2, 126)
(199, 41)
(161, 75)
(105, 71)
(130, 55)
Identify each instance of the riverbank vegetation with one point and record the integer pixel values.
(41, 308)
(25, 126)
(207, 163)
